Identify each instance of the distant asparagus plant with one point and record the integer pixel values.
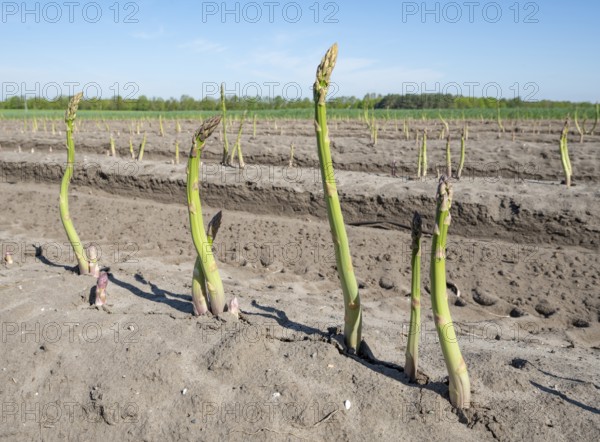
(461, 164)
(577, 126)
(291, 162)
(366, 104)
(424, 154)
(564, 154)
(207, 271)
(254, 126)
(448, 158)
(131, 149)
(374, 130)
(113, 152)
(412, 348)
(161, 130)
(224, 119)
(459, 386)
(420, 157)
(499, 120)
(176, 151)
(596, 117)
(142, 147)
(237, 148)
(446, 129)
(84, 266)
(353, 310)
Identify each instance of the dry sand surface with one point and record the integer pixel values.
(523, 250)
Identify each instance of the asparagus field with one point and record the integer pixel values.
(297, 354)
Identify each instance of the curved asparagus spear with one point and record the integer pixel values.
(460, 389)
(64, 187)
(208, 266)
(353, 311)
(412, 348)
(199, 295)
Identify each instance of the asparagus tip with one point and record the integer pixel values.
(444, 192)
(417, 225)
(324, 71)
(73, 105)
(214, 224)
(206, 129)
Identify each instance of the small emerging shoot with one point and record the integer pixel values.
(101, 293)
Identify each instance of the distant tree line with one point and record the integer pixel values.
(188, 103)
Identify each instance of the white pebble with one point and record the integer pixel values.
(276, 394)
(347, 404)
(184, 391)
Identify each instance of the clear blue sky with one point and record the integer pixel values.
(544, 49)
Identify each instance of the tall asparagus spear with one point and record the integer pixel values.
(460, 389)
(412, 348)
(208, 266)
(64, 187)
(353, 311)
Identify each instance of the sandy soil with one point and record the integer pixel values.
(523, 250)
